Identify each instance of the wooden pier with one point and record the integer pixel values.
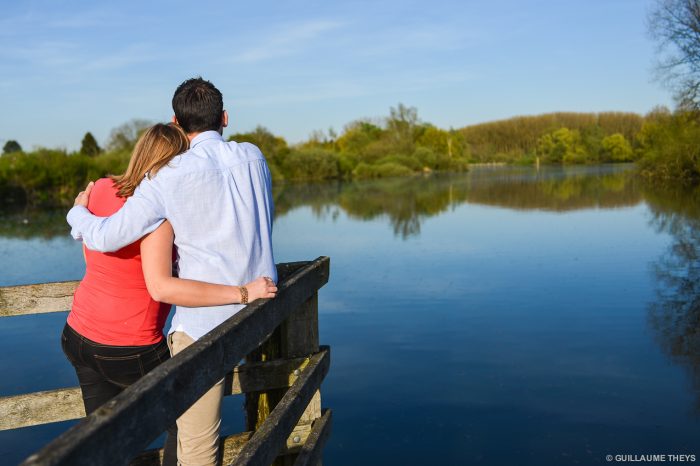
(281, 378)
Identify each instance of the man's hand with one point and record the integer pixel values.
(84, 196)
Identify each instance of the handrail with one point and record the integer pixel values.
(127, 424)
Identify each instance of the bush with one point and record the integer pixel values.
(409, 162)
(384, 170)
(310, 164)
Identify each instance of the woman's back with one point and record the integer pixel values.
(112, 305)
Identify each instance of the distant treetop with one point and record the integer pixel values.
(89, 145)
(11, 146)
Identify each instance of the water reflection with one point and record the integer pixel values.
(675, 316)
(407, 202)
(27, 224)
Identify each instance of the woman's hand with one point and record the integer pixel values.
(84, 196)
(262, 287)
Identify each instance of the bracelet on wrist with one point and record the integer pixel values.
(244, 295)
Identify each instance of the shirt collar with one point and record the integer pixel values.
(205, 136)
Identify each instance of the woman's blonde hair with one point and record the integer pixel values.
(154, 149)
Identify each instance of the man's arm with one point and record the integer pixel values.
(141, 214)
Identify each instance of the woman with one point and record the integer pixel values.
(114, 332)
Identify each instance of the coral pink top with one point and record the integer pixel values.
(112, 305)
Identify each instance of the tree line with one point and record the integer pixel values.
(664, 144)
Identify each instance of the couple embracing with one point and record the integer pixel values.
(187, 195)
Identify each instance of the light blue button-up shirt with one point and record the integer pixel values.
(218, 198)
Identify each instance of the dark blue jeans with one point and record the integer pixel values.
(104, 371)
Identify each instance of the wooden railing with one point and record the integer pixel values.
(284, 369)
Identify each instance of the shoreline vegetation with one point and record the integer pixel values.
(664, 145)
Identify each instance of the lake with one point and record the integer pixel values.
(502, 316)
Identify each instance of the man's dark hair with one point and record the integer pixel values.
(198, 106)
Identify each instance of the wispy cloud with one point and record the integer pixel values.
(32, 21)
(43, 54)
(327, 88)
(128, 56)
(85, 19)
(291, 39)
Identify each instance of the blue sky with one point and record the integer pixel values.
(296, 66)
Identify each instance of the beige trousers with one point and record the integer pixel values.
(198, 427)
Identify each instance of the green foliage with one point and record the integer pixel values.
(669, 147)
(407, 161)
(617, 149)
(357, 136)
(89, 145)
(124, 137)
(310, 164)
(382, 170)
(11, 146)
(516, 139)
(43, 177)
(402, 126)
(49, 177)
(447, 145)
(563, 145)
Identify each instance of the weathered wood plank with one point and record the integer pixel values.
(36, 299)
(256, 376)
(230, 447)
(66, 403)
(134, 418)
(58, 296)
(312, 451)
(37, 408)
(265, 445)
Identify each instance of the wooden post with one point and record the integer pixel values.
(300, 338)
(297, 337)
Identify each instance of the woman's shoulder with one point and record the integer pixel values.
(104, 200)
(104, 184)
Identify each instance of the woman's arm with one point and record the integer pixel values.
(156, 261)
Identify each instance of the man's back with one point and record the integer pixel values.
(217, 196)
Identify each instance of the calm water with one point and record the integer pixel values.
(503, 316)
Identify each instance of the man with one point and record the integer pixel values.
(218, 198)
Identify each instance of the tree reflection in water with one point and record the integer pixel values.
(675, 316)
(407, 202)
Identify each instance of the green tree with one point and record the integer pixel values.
(616, 148)
(358, 135)
(446, 146)
(124, 137)
(562, 145)
(401, 126)
(89, 145)
(11, 146)
(669, 147)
